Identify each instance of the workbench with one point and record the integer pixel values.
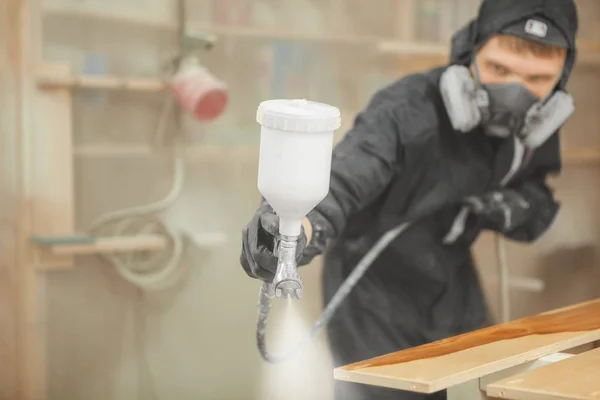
(526, 359)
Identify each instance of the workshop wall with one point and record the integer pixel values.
(105, 340)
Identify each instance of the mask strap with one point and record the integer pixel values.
(478, 84)
(476, 73)
(481, 96)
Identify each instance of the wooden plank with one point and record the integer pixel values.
(445, 363)
(475, 389)
(577, 378)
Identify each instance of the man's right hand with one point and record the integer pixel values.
(258, 242)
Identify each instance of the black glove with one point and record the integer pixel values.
(502, 210)
(258, 242)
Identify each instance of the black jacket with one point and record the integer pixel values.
(402, 161)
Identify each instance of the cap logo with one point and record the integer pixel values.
(536, 28)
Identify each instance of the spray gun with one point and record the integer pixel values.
(296, 144)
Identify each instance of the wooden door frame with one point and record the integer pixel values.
(22, 330)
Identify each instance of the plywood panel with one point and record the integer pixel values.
(577, 377)
(439, 365)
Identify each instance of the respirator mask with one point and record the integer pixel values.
(503, 109)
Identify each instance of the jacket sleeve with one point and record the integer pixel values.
(363, 164)
(541, 211)
(542, 206)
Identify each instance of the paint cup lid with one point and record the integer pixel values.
(298, 115)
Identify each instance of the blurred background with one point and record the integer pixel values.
(104, 340)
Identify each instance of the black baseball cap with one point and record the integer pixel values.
(539, 29)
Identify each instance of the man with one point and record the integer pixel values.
(429, 149)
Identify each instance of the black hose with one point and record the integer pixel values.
(266, 294)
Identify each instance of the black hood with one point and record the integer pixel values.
(496, 15)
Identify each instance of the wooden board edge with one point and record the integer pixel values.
(382, 381)
(500, 389)
(372, 378)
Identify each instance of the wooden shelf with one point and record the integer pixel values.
(523, 283)
(102, 82)
(82, 245)
(199, 152)
(589, 52)
(106, 14)
(266, 34)
(77, 245)
(581, 156)
(423, 49)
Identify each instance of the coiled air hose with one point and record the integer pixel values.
(144, 269)
(266, 294)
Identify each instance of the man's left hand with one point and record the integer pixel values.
(501, 210)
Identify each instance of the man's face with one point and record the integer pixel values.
(500, 61)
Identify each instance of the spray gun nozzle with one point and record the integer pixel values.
(288, 289)
(287, 282)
